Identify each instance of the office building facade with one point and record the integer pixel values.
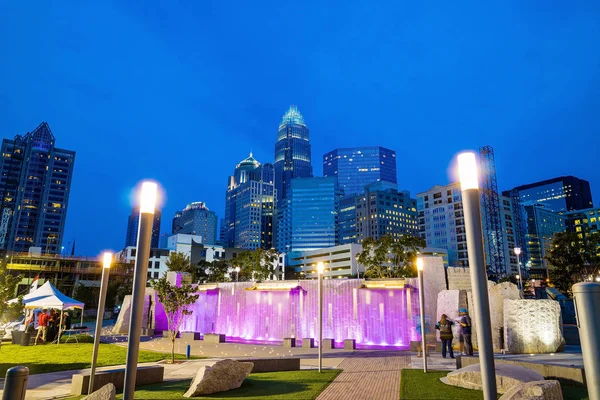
(35, 184)
(307, 218)
(292, 152)
(347, 220)
(541, 224)
(250, 206)
(196, 219)
(582, 222)
(133, 223)
(356, 167)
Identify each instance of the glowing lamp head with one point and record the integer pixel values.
(148, 197)
(598, 278)
(467, 171)
(107, 259)
(320, 267)
(420, 263)
(237, 269)
(517, 250)
(518, 276)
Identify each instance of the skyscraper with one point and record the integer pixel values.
(35, 183)
(356, 167)
(292, 151)
(197, 219)
(133, 223)
(307, 218)
(249, 206)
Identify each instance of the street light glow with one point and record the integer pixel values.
(420, 263)
(598, 278)
(148, 197)
(467, 171)
(237, 269)
(517, 250)
(320, 267)
(107, 259)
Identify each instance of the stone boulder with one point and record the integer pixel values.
(434, 281)
(449, 302)
(532, 326)
(221, 376)
(498, 293)
(537, 390)
(507, 376)
(106, 392)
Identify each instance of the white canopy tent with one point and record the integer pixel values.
(47, 296)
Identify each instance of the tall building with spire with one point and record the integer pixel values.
(249, 206)
(292, 151)
(35, 182)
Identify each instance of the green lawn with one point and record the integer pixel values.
(51, 357)
(293, 385)
(415, 385)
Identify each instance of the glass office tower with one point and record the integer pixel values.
(133, 223)
(292, 151)
(197, 219)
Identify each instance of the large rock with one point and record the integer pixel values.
(532, 326)
(222, 376)
(434, 280)
(106, 392)
(153, 317)
(459, 278)
(498, 293)
(449, 302)
(537, 390)
(507, 376)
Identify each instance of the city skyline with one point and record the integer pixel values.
(524, 114)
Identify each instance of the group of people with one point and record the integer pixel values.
(48, 324)
(445, 324)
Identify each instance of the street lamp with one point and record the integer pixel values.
(517, 251)
(320, 268)
(147, 206)
(237, 274)
(107, 259)
(422, 306)
(598, 278)
(467, 169)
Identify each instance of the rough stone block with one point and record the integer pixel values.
(532, 326)
(537, 390)
(449, 302)
(190, 336)
(434, 281)
(221, 376)
(214, 338)
(459, 278)
(289, 342)
(497, 294)
(507, 376)
(308, 343)
(329, 344)
(146, 375)
(106, 392)
(349, 344)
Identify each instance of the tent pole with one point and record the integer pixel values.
(81, 323)
(62, 310)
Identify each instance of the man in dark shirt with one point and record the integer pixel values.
(465, 323)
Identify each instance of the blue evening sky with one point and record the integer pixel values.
(181, 91)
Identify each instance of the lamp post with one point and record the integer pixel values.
(237, 274)
(422, 306)
(147, 205)
(518, 253)
(320, 268)
(107, 259)
(467, 168)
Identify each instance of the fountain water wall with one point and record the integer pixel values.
(373, 317)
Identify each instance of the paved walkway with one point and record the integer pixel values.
(368, 375)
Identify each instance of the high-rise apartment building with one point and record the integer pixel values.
(35, 184)
(356, 167)
(133, 223)
(249, 206)
(541, 225)
(197, 219)
(583, 222)
(307, 218)
(292, 152)
(441, 224)
(383, 211)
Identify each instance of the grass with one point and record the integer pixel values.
(293, 385)
(415, 385)
(52, 358)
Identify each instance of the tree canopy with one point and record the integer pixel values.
(389, 258)
(179, 262)
(256, 265)
(8, 289)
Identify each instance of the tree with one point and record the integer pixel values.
(179, 262)
(88, 295)
(213, 271)
(177, 302)
(256, 265)
(389, 258)
(573, 259)
(8, 289)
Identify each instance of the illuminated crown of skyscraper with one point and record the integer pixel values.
(292, 117)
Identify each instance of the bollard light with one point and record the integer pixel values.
(422, 306)
(467, 170)
(320, 269)
(106, 261)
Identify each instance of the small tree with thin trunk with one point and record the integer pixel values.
(177, 302)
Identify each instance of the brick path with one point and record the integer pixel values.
(373, 375)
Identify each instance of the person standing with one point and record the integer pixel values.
(465, 324)
(42, 325)
(444, 325)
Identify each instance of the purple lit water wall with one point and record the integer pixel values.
(374, 317)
